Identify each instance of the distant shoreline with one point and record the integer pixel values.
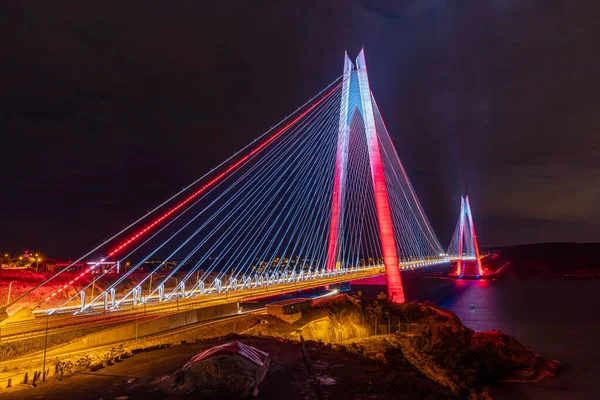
(528, 278)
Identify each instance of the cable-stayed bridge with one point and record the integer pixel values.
(321, 198)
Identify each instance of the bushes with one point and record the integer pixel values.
(477, 359)
(473, 359)
(63, 369)
(23, 347)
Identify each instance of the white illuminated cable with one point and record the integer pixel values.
(280, 177)
(179, 215)
(194, 268)
(303, 221)
(408, 183)
(173, 271)
(305, 166)
(170, 198)
(322, 160)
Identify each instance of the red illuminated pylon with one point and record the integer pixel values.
(382, 205)
(465, 237)
(474, 236)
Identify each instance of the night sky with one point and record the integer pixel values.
(107, 109)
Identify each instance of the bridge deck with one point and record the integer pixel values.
(96, 316)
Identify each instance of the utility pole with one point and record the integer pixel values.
(9, 289)
(45, 348)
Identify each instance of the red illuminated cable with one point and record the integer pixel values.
(206, 186)
(219, 177)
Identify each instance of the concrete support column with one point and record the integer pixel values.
(82, 295)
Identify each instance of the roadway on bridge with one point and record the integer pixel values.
(96, 316)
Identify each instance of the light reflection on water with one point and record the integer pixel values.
(484, 315)
(559, 319)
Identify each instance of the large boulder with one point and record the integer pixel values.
(230, 370)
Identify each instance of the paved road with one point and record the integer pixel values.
(15, 368)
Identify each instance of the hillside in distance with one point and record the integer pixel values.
(550, 260)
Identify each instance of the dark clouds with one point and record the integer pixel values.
(108, 108)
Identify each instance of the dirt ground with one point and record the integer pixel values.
(149, 376)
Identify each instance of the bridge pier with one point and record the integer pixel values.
(161, 293)
(109, 299)
(137, 295)
(247, 281)
(233, 284)
(82, 295)
(217, 283)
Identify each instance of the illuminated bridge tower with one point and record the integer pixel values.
(463, 246)
(356, 97)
